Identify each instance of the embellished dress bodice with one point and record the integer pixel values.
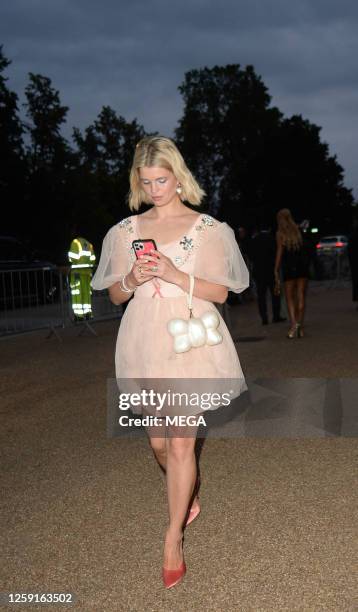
(182, 252)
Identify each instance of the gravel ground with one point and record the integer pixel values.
(86, 514)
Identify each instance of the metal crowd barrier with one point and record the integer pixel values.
(41, 299)
(333, 267)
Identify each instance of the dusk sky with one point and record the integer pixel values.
(133, 55)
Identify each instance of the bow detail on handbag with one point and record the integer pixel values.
(196, 331)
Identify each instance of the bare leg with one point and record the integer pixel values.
(301, 299)
(160, 451)
(181, 476)
(290, 293)
(159, 448)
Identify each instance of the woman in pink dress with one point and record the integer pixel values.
(191, 247)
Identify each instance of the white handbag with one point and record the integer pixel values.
(196, 331)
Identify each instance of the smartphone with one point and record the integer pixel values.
(143, 247)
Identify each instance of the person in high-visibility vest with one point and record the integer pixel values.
(82, 258)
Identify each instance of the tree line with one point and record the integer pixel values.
(249, 158)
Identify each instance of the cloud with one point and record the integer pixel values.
(133, 56)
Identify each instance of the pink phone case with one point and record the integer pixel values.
(143, 247)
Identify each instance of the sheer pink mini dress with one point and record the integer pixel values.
(144, 347)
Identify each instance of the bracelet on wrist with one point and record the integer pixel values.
(124, 286)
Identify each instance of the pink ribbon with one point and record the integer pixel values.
(157, 288)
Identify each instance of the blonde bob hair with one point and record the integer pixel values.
(287, 230)
(161, 152)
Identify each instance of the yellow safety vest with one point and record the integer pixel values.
(81, 253)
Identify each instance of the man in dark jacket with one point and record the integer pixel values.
(262, 253)
(353, 259)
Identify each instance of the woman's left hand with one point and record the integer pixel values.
(161, 266)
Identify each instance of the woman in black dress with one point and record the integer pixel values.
(293, 258)
(353, 259)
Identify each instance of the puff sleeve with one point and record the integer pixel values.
(114, 261)
(219, 260)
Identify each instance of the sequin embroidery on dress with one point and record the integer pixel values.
(188, 245)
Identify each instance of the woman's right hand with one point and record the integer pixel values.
(134, 277)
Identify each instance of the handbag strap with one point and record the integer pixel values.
(189, 296)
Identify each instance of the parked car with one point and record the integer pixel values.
(332, 245)
(25, 280)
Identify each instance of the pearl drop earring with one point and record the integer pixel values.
(179, 189)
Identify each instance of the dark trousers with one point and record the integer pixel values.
(355, 288)
(263, 285)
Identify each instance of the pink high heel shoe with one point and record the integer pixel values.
(194, 512)
(171, 577)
